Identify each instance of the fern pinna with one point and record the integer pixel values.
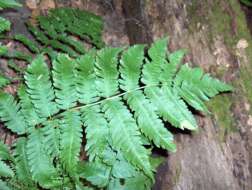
(61, 30)
(118, 99)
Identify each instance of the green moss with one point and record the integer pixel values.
(220, 106)
(243, 32)
(229, 22)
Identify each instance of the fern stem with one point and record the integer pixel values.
(100, 101)
(112, 97)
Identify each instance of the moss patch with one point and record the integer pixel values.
(226, 19)
(220, 106)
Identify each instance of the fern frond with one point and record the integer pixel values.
(32, 46)
(95, 172)
(149, 122)
(97, 132)
(51, 140)
(122, 169)
(152, 69)
(195, 86)
(10, 113)
(76, 22)
(75, 44)
(3, 81)
(125, 135)
(145, 112)
(70, 142)
(139, 182)
(106, 71)
(5, 152)
(101, 90)
(171, 107)
(63, 47)
(40, 88)
(9, 4)
(38, 34)
(64, 81)
(40, 164)
(30, 115)
(86, 79)
(47, 26)
(21, 162)
(5, 170)
(130, 67)
(15, 54)
(4, 185)
(4, 25)
(170, 69)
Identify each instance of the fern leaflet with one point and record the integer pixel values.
(10, 113)
(70, 142)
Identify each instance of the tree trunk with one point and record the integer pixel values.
(215, 33)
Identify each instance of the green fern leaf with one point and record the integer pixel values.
(153, 69)
(63, 81)
(21, 162)
(38, 34)
(5, 170)
(149, 122)
(5, 186)
(169, 105)
(51, 140)
(75, 44)
(130, 67)
(246, 2)
(121, 168)
(40, 88)
(70, 142)
(139, 182)
(30, 115)
(27, 42)
(5, 152)
(192, 99)
(63, 47)
(145, 112)
(9, 4)
(3, 81)
(39, 161)
(95, 172)
(195, 86)
(4, 25)
(125, 135)
(10, 113)
(172, 108)
(102, 90)
(106, 71)
(47, 26)
(97, 131)
(170, 69)
(86, 78)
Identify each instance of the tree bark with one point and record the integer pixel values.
(216, 35)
